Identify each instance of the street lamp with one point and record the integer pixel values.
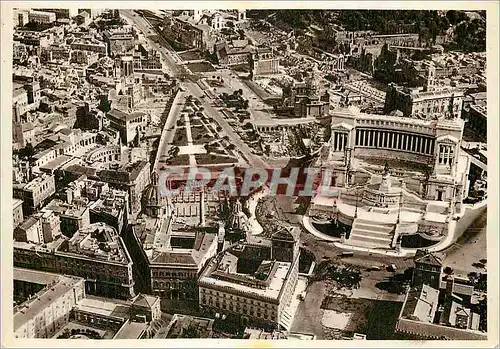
(400, 205)
(356, 210)
(347, 162)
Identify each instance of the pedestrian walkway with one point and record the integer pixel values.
(192, 159)
(392, 253)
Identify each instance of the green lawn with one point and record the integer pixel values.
(179, 160)
(200, 135)
(206, 159)
(202, 67)
(180, 137)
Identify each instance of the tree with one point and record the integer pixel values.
(174, 151)
(454, 17)
(241, 33)
(104, 104)
(473, 277)
(27, 152)
(327, 134)
(267, 149)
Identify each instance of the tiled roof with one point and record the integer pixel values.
(144, 300)
(424, 257)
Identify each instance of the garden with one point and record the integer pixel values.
(200, 67)
(80, 333)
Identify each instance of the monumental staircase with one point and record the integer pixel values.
(370, 233)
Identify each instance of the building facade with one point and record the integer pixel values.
(424, 104)
(95, 253)
(252, 283)
(17, 212)
(48, 310)
(34, 193)
(132, 178)
(41, 17)
(264, 62)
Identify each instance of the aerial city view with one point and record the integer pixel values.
(249, 174)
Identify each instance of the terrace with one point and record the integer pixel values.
(97, 241)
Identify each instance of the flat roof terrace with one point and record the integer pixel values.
(105, 307)
(272, 291)
(98, 241)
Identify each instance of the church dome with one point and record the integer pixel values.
(152, 200)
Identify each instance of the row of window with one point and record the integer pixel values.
(223, 296)
(166, 285)
(237, 308)
(173, 274)
(97, 320)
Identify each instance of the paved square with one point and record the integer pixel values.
(335, 319)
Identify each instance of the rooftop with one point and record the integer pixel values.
(187, 256)
(98, 241)
(266, 280)
(428, 258)
(47, 247)
(28, 223)
(131, 330)
(421, 303)
(16, 202)
(180, 323)
(127, 173)
(33, 184)
(480, 108)
(58, 285)
(105, 306)
(118, 114)
(111, 203)
(57, 162)
(75, 209)
(144, 300)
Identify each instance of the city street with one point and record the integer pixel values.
(196, 91)
(143, 26)
(254, 160)
(469, 248)
(256, 106)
